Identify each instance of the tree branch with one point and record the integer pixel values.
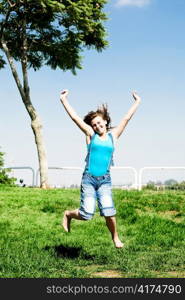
(23, 91)
(24, 60)
(13, 68)
(24, 64)
(11, 4)
(4, 23)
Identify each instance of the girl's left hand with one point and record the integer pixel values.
(136, 97)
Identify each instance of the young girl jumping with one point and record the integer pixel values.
(96, 180)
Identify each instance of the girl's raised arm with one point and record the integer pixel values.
(117, 131)
(79, 121)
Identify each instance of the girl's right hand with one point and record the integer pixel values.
(63, 95)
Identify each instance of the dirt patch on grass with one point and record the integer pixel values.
(171, 214)
(171, 274)
(168, 214)
(99, 271)
(108, 274)
(118, 274)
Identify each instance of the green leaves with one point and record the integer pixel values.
(4, 178)
(55, 5)
(57, 31)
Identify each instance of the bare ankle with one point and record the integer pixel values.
(117, 242)
(66, 221)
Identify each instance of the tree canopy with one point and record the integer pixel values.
(53, 32)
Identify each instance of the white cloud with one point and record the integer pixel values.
(138, 3)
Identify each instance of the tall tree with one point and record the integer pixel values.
(47, 32)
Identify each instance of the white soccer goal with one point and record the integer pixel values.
(124, 177)
(19, 175)
(68, 177)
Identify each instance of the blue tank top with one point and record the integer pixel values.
(99, 157)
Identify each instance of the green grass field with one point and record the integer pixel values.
(33, 243)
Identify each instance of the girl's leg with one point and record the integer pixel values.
(111, 224)
(107, 209)
(87, 204)
(68, 215)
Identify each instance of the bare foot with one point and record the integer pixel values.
(66, 221)
(118, 243)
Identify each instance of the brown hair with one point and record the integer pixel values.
(101, 111)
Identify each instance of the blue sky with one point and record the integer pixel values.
(146, 53)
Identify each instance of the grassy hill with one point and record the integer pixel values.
(33, 244)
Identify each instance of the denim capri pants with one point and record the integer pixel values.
(96, 188)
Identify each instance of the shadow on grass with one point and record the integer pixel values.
(70, 252)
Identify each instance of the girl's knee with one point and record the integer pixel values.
(85, 216)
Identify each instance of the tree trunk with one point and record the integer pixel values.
(43, 165)
(35, 120)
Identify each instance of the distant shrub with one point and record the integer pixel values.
(177, 186)
(169, 184)
(150, 186)
(4, 178)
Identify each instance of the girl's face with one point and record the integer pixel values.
(98, 124)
